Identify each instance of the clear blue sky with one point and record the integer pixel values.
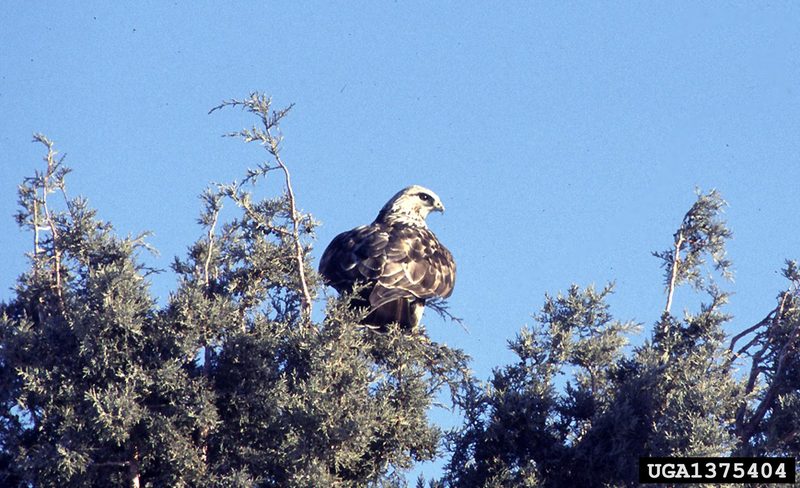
(565, 139)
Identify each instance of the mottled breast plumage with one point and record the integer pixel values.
(399, 259)
(404, 261)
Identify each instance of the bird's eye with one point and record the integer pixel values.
(425, 197)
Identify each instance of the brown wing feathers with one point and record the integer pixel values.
(415, 265)
(404, 263)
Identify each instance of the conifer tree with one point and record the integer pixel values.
(519, 429)
(237, 382)
(769, 422)
(678, 394)
(92, 393)
(233, 383)
(301, 403)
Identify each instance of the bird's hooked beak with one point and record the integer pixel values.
(439, 207)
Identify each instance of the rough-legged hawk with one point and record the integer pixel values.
(396, 257)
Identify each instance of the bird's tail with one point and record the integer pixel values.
(406, 313)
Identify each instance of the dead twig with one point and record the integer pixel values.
(441, 307)
(676, 258)
(747, 429)
(49, 181)
(261, 106)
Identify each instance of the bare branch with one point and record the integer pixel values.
(789, 347)
(748, 330)
(210, 238)
(36, 248)
(48, 184)
(441, 307)
(260, 105)
(134, 475)
(676, 258)
(298, 247)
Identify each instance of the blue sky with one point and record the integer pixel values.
(565, 138)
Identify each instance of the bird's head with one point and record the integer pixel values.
(410, 206)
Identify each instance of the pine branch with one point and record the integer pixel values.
(702, 234)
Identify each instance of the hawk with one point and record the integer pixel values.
(398, 259)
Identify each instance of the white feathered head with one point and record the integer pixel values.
(411, 206)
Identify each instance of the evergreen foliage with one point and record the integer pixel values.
(232, 383)
(769, 424)
(92, 395)
(235, 383)
(679, 394)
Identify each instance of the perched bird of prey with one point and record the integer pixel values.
(398, 259)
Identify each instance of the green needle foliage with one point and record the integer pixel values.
(91, 392)
(577, 410)
(769, 424)
(234, 383)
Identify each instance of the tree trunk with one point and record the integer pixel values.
(133, 468)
